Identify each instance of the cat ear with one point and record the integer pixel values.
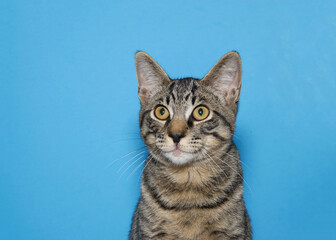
(151, 76)
(225, 77)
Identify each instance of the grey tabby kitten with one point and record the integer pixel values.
(192, 186)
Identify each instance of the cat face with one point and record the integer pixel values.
(187, 120)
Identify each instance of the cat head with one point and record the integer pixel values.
(186, 120)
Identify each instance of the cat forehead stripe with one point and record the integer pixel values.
(181, 89)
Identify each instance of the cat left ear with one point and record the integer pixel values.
(150, 75)
(225, 77)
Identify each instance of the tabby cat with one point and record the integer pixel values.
(192, 185)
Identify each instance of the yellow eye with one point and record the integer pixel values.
(161, 112)
(200, 113)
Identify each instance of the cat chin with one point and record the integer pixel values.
(180, 159)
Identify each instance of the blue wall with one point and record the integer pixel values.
(69, 108)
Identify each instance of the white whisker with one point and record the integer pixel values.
(217, 166)
(235, 172)
(149, 160)
(134, 170)
(130, 160)
(132, 164)
(238, 160)
(110, 164)
(213, 169)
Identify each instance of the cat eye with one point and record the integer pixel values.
(200, 113)
(161, 112)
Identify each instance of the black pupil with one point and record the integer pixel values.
(162, 111)
(200, 112)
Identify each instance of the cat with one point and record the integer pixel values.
(192, 185)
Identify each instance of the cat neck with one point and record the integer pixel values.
(199, 184)
(213, 170)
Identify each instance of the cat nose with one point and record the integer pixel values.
(176, 136)
(177, 129)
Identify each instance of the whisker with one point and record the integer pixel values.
(151, 157)
(238, 159)
(149, 160)
(124, 139)
(110, 164)
(235, 172)
(236, 137)
(132, 164)
(130, 160)
(217, 166)
(134, 170)
(211, 166)
(123, 133)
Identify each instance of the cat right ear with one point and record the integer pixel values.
(150, 75)
(225, 77)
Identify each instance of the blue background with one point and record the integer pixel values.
(69, 109)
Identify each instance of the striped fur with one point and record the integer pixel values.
(198, 194)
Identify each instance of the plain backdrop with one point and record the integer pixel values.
(69, 109)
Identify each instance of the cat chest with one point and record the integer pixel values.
(185, 224)
(190, 224)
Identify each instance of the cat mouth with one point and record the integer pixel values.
(178, 156)
(177, 152)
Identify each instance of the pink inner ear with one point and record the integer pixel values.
(225, 77)
(143, 91)
(151, 76)
(232, 94)
(143, 94)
